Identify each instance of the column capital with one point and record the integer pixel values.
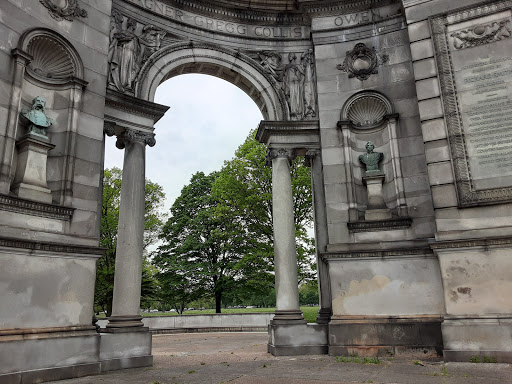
(311, 153)
(132, 135)
(109, 127)
(273, 153)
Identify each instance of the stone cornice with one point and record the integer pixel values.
(31, 245)
(321, 8)
(376, 254)
(381, 225)
(491, 242)
(34, 208)
(286, 128)
(134, 105)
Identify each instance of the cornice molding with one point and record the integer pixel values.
(269, 128)
(492, 242)
(383, 225)
(34, 208)
(135, 105)
(31, 245)
(377, 254)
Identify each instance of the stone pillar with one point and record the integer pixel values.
(314, 161)
(127, 280)
(21, 60)
(285, 254)
(376, 209)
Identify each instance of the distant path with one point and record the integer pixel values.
(241, 358)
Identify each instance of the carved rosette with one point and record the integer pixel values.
(273, 153)
(311, 154)
(362, 62)
(132, 135)
(69, 11)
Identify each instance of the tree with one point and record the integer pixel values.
(244, 186)
(153, 220)
(202, 246)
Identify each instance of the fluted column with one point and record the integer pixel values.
(313, 160)
(130, 235)
(285, 254)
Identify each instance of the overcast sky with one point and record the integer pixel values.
(208, 119)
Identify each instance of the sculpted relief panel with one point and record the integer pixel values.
(296, 79)
(128, 51)
(475, 63)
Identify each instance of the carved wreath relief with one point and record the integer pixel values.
(296, 79)
(128, 51)
(362, 62)
(64, 9)
(481, 34)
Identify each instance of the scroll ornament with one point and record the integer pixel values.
(69, 10)
(481, 34)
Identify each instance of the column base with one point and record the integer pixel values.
(297, 339)
(126, 323)
(324, 316)
(288, 317)
(370, 336)
(478, 339)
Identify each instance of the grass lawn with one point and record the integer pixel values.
(310, 313)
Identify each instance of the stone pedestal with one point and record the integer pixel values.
(30, 178)
(376, 209)
(297, 339)
(125, 348)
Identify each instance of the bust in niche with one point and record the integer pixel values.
(37, 118)
(371, 159)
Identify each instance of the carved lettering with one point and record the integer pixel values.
(222, 26)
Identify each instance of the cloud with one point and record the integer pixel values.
(208, 119)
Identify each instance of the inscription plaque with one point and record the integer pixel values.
(474, 57)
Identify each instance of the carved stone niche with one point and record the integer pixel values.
(368, 117)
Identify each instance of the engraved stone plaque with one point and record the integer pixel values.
(474, 57)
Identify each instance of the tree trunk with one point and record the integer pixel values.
(218, 300)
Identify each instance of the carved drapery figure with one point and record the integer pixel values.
(151, 40)
(307, 61)
(297, 81)
(37, 118)
(127, 51)
(371, 159)
(293, 86)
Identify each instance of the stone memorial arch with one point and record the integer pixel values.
(400, 108)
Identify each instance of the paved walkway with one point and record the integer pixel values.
(241, 358)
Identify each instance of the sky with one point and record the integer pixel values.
(208, 119)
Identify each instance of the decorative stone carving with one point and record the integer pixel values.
(310, 156)
(128, 51)
(132, 135)
(64, 9)
(371, 159)
(362, 62)
(50, 59)
(481, 34)
(273, 153)
(296, 80)
(367, 112)
(38, 121)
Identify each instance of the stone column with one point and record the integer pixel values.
(285, 253)
(130, 236)
(314, 161)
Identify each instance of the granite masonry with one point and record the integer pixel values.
(400, 107)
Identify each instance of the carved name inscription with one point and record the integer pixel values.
(483, 79)
(222, 26)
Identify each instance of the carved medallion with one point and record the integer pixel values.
(64, 9)
(362, 62)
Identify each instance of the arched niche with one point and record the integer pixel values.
(369, 116)
(52, 69)
(209, 59)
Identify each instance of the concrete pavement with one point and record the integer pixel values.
(241, 358)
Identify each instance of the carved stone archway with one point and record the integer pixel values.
(228, 64)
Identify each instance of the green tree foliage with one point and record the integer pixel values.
(308, 293)
(219, 238)
(153, 220)
(202, 246)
